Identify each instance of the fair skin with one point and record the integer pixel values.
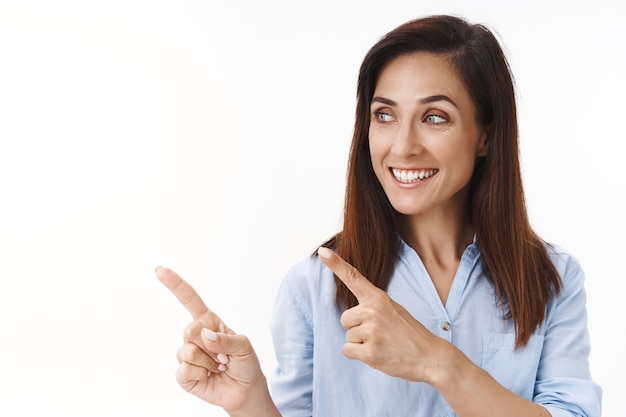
(215, 364)
(422, 126)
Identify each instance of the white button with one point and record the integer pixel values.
(445, 326)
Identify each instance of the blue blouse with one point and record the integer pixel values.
(314, 378)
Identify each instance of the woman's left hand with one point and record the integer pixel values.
(382, 333)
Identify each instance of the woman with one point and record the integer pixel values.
(437, 298)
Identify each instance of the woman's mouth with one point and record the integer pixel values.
(410, 176)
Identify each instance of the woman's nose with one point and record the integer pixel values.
(407, 141)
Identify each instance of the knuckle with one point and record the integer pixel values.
(192, 331)
(188, 332)
(369, 311)
(350, 337)
(185, 376)
(369, 333)
(188, 352)
(353, 274)
(238, 341)
(346, 351)
(185, 371)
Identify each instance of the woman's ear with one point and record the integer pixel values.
(482, 148)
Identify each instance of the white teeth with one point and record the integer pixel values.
(409, 176)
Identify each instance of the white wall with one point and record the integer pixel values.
(212, 137)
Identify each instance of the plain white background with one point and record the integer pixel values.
(212, 137)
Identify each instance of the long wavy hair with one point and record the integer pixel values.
(513, 256)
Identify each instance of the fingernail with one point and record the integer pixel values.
(222, 367)
(157, 268)
(222, 358)
(210, 334)
(324, 252)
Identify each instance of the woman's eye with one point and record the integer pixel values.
(435, 119)
(383, 117)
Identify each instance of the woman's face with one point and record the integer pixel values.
(423, 136)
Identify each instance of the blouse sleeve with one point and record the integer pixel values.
(564, 385)
(291, 383)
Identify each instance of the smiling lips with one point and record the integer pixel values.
(410, 176)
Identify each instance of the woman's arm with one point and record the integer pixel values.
(471, 391)
(382, 334)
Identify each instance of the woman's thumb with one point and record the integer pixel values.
(229, 344)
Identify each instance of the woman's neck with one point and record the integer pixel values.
(440, 242)
(440, 237)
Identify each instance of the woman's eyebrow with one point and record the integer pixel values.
(424, 100)
(432, 99)
(383, 100)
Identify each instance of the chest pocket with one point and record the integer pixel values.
(516, 370)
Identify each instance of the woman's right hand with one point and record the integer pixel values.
(216, 364)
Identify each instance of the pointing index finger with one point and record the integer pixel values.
(360, 286)
(184, 292)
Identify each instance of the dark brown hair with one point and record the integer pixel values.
(513, 256)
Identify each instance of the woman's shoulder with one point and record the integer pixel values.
(308, 275)
(560, 255)
(566, 264)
